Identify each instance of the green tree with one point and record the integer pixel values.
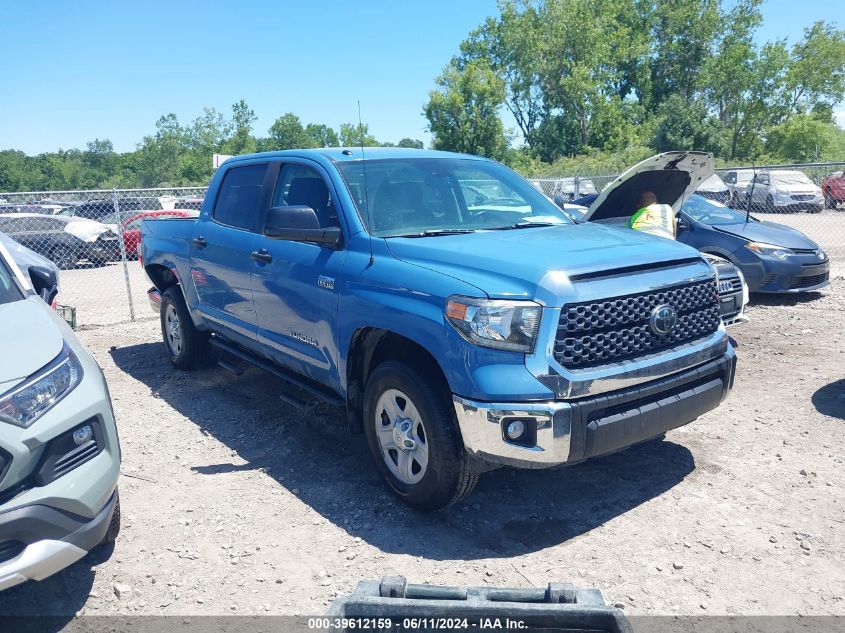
(411, 143)
(159, 155)
(241, 141)
(463, 112)
(321, 135)
(802, 138)
(287, 132)
(356, 135)
(687, 126)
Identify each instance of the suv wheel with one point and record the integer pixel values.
(186, 345)
(114, 524)
(829, 201)
(414, 439)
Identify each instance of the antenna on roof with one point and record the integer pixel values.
(750, 193)
(366, 196)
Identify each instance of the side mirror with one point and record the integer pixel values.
(683, 224)
(45, 283)
(299, 224)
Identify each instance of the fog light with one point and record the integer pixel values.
(83, 435)
(515, 429)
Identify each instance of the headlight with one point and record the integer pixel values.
(770, 250)
(508, 325)
(39, 393)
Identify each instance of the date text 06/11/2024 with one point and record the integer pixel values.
(416, 623)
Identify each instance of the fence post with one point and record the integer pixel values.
(123, 257)
(576, 188)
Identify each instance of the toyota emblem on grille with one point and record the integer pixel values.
(663, 320)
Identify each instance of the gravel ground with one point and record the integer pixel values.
(234, 505)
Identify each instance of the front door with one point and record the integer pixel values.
(295, 289)
(221, 250)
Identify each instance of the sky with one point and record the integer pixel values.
(76, 71)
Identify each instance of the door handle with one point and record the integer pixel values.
(199, 242)
(261, 256)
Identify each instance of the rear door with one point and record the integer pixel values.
(221, 249)
(296, 287)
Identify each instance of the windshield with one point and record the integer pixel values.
(711, 212)
(9, 291)
(424, 196)
(791, 178)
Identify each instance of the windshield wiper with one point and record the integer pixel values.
(526, 225)
(436, 232)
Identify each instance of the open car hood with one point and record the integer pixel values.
(672, 176)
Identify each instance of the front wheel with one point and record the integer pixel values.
(829, 201)
(413, 437)
(186, 345)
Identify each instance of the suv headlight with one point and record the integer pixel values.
(507, 325)
(39, 393)
(771, 250)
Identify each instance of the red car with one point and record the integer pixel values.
(132, 227)
(833, 188)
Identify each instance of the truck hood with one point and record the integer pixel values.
(672, 176)
(770, 233)
(516, 263)
(29, 339)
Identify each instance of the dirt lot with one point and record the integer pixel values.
(234, 505)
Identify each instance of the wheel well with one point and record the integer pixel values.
(161, 276)
(372, 346)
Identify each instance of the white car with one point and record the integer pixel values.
(59, 450)
(782, 190)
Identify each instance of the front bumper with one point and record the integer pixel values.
(570, 431)
(47, 540)
(154, 297)
(797, 274)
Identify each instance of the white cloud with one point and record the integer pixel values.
(839, 117)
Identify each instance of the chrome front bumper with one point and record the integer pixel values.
(155, 300)
(574, 430)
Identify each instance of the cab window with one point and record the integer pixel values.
(239, 196)
(299, 185)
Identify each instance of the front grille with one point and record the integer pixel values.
(10, 549)
(596, 333)
(808, 280)
(803, 197)
(727, 286)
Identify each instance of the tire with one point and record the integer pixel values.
(770, 205)
(114, 525)
(829, 201)
(424, 415)
(186, 346)
(64, 257)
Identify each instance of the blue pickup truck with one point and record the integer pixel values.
(459, 317)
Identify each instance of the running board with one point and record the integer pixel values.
(319, 392)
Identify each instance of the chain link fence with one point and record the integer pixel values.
(92, 237)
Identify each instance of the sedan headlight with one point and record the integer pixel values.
(39, 393)
(770, 250)
(508, 325)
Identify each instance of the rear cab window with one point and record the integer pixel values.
(239, 196)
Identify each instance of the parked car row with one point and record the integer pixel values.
(69, 238)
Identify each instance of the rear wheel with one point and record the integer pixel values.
(186, 345)
(829, 201)
(413, 437)
(770, 205)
